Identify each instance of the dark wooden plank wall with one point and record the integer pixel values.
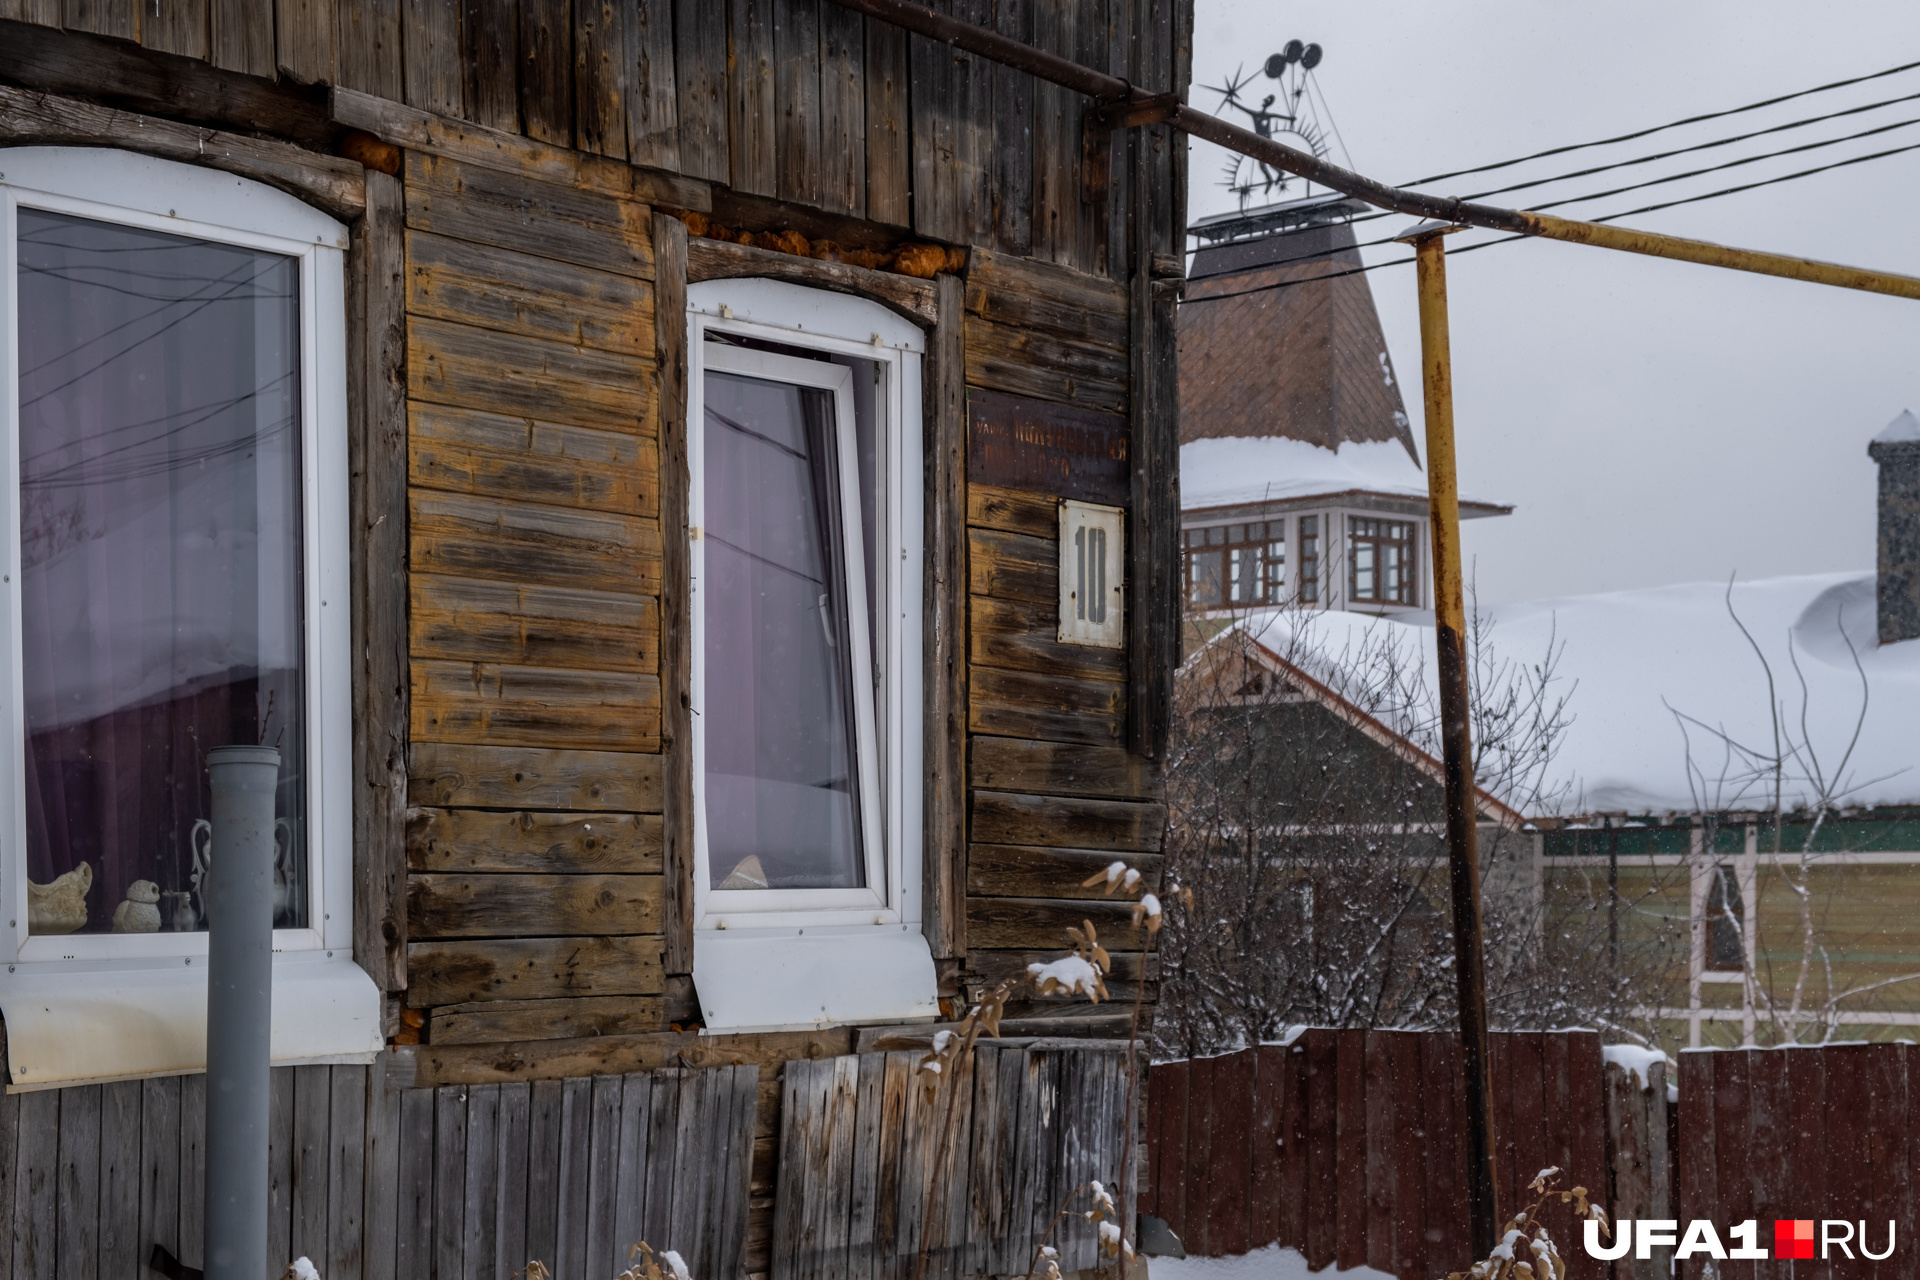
(1346, 1146)
(858, 1141)
(1055, 792)
(368, 1181)
(799, 100)
(534, 843)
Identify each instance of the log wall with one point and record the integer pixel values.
(796, 102)
(534, 845)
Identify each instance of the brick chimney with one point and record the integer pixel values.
(1897, 585)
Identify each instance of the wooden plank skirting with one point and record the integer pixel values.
(1031, 1127)
(462, 1182)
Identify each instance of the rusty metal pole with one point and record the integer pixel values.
(1450, 645)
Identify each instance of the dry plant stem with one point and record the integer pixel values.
(1041, 1248)
(1126, 1184)
(965, 1051)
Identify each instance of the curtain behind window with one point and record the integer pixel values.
(781, 790)
(161, 558)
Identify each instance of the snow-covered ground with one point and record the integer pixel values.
(1275, 1262)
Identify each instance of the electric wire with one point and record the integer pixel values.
(1668, 155)
(1660, 128)
(1597, 195)
(1611, 217)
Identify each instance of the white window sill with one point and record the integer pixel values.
(1719, 975)
(91, 1021)
(759, 979)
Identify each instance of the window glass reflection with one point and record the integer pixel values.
(781, 799)
(161, 585)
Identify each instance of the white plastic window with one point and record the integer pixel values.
(173, 549)
(806, 516)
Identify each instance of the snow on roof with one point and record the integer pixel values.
(1228, 472)
(1247, 469)
(1630, 660)
(1902, 429)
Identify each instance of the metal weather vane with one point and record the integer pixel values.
(1291, 110)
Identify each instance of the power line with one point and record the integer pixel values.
(1731, 164)
(1658, 155)
(1611, 217)
(1701, 146)
(1642, 133)
(1601, 195)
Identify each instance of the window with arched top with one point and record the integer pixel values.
(806, 514)
(174, 576)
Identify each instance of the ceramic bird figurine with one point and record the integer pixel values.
(140, 913)
(60, 907)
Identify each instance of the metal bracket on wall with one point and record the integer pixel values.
(1096, 136)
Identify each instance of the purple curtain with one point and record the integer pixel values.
(161, 545)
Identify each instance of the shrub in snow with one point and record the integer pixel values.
(1526, 1251)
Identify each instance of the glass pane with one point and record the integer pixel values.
(161, 574)
(1206, 577)
(781, 804)
(1246, 575)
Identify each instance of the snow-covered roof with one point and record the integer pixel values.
(1901, 430)
(1251, 469)
(1630, 660)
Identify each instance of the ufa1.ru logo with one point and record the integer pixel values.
(1792, 1238)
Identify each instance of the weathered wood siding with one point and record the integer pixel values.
(374, 1182)
(859, 1140)
(798, 101)
(534, 844)
(1055, 792)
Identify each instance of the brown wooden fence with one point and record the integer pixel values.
(1828, 1132)
(1348, 1145)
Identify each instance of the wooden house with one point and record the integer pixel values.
(1747, 888)
(625, 456)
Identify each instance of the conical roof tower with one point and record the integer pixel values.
(1305, 360)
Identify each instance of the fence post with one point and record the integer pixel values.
(1637, 1159)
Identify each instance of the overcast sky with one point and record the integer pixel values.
(1652, 421)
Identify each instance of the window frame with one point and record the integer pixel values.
(1409, 567)
(178, 199)
(1273, 594)
(833, 324)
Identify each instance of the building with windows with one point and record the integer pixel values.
(1731, 814)
(1301, 483)
(687, 490)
